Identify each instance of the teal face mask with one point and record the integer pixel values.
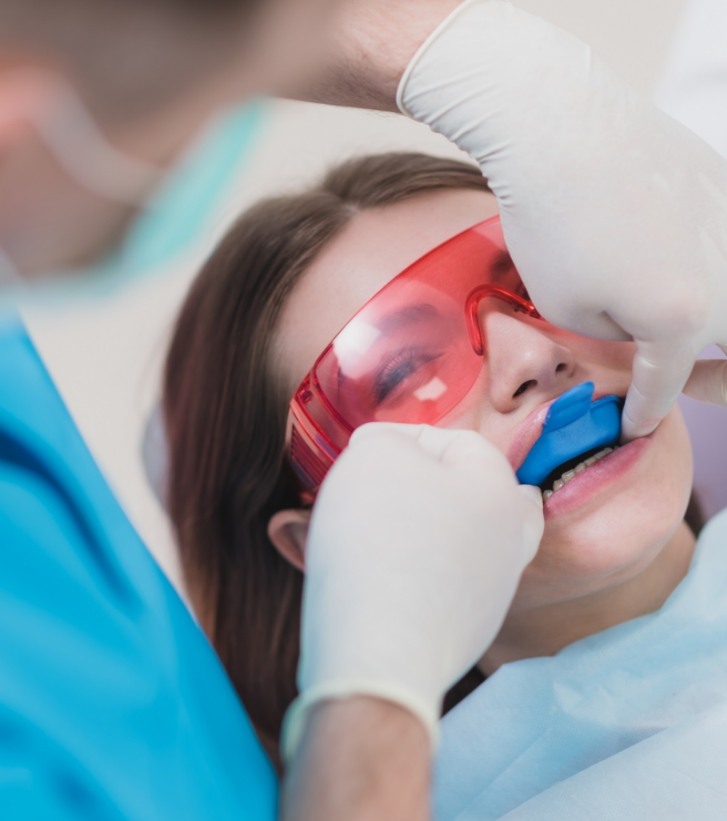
(73, 138)
(183, 205)
(175, 216)
(9, 276)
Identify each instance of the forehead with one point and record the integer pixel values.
(375, 246)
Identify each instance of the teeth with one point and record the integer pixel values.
(581, 466)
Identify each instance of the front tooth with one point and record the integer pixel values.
(547, 494)
(570, 474)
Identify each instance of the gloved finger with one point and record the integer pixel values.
(533, 522)
(456, 447)
(658, 376)
(596, 324)
(708, 381)
(376, 429)
(446, 445)
(387, 434)
(533, 494)
(472, 455)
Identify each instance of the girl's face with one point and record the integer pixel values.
(611, 523)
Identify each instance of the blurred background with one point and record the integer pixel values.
(106, 360)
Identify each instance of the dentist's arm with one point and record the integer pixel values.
(360, 759)
(615, 215)
(416, 546)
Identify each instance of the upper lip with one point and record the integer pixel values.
(528, 432)
(527, 435)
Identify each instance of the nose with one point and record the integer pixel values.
(523, 361)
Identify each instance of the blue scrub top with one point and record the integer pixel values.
(112, 703)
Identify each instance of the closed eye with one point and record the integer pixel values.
(398, 369)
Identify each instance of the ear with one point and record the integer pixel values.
(288, 531)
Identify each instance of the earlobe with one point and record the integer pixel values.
(288, 531)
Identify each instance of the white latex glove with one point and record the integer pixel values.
(416, 546)
(615, 215)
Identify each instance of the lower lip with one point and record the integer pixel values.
(594, 479)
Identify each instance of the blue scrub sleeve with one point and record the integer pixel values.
(113, 705)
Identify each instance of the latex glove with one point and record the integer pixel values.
(615, 215)
(416, 545)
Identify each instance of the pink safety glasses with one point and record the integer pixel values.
(411, 354)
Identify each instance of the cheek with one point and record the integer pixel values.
(475, 412)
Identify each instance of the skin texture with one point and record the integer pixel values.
(369, 45)
(618, 553)
(383, 775)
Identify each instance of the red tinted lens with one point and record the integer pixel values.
(412, 353)
(400, 362)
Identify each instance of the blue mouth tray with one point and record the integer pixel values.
(574, 425)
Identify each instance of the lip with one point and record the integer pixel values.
(527, 435)
(529, 431)
(604, 473)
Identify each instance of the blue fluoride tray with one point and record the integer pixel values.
(575, 424)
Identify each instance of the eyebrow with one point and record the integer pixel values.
(409, 315)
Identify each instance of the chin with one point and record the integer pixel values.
(611, 529)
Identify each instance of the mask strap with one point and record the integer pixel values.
(9, 274)
(88, 157)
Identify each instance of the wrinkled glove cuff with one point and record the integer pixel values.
(298, 712)
(421, 51)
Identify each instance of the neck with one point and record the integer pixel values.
(543, 631)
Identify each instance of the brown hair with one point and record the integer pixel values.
(225, 413)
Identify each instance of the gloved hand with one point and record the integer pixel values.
(615, 215)
(417, 542)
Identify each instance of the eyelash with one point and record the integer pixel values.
(403, 365)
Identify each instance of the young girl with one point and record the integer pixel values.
(288, 276)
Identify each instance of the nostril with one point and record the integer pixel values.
(531, 383)
(560, 367)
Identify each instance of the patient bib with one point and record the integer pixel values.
(630, 723)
